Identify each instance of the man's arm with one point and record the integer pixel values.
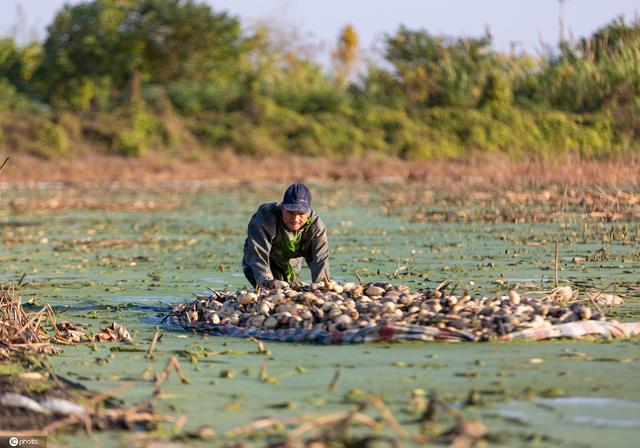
(317, 254)
(258, 248)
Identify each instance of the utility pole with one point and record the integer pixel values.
(561, 20)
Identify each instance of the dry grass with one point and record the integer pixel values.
(477, 171)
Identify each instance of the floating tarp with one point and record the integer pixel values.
(394, 331)
(577, 330)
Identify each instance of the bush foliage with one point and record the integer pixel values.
(136, 76)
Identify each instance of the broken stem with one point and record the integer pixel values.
(334, 381)
(4, 163)
(387, 415)
(154, 341)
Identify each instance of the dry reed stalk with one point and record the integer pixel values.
(154, 341)
(35, 346)
(330, 419)
(28, 324)
(561, 294)
(54, 377)
(387, 415)
(22, 331)
(107, 418)
(258, 425)
(179, 423)
(263, 375)
(58, 424)
(176, 364)
(160, 379)
(164, 375)
(334, 381)
(52, 317)
(594, 300)
(595, 304)
(260, 347)
(134, 416)
(4, 163)
(102, 396)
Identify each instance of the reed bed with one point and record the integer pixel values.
(21, 331)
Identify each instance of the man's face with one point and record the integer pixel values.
(294, 220)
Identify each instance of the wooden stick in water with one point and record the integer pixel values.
(52, 316)
(254, 426)
(334, 381)
(154, 341)
(260, 346)
(178, 368)
(263, 375)
(330, 419)
(55, 378)
(30, 321)
(388, 416)
(102, 396)
(173, 362)
(595, 304)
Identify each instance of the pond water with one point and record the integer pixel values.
(96, 265)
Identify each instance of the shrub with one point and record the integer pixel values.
(34, 134)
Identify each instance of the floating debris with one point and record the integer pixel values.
(605, 299)
(113, 333)
(329, 307)
(13, 400)
(561, 294)
(71, 333)
(63, 407)
(32, 376)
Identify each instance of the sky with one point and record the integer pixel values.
(525, 23)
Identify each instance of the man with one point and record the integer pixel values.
(279, 236)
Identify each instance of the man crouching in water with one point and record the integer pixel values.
(279, 236)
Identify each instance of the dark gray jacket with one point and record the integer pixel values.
(266, 252)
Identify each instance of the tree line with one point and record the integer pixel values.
(136, 76)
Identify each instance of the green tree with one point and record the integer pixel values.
(439, 71)
(18, 64)
(117, 44)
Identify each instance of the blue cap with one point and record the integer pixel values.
(297, 198)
